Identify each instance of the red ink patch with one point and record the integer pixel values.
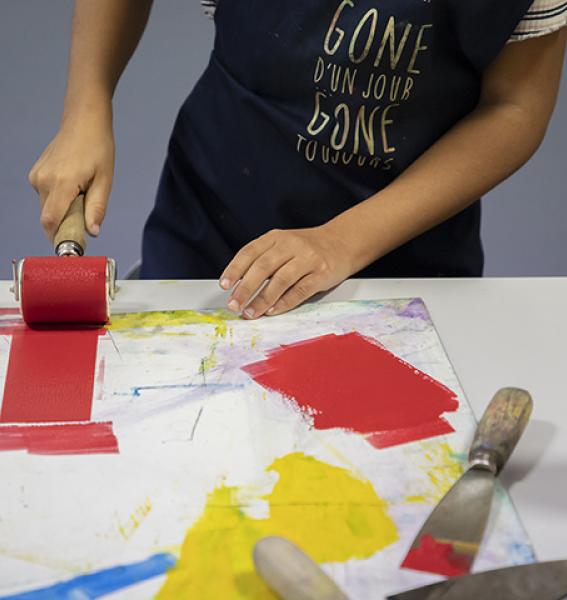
(437, 557)
(352, 382)
(394, 437)
(49, 382)
(50, 376)
(71, 438)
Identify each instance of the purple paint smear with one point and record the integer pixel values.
(415, 309)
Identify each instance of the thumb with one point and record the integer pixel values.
(96, 200)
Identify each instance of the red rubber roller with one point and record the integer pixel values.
(69, 287)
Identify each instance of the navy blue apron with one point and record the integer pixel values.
(308, 107)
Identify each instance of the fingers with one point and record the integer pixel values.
(96, 201)
(261, 269)
(240, 264)
(56, 195)
(298, 293)
(80, 158)
(282, 269)
(279, 283)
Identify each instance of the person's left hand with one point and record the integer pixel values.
(298, 264)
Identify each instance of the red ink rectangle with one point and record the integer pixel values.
(50, 376)
(394, 437)
(352, 382)
(67, 438)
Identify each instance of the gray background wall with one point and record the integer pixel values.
(525, 218)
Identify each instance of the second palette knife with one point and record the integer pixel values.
(449, 540)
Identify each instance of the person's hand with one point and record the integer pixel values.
(80, 158)
(298, 264)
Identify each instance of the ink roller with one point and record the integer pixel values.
(68, 287)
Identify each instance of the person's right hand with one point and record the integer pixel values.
(80, 158)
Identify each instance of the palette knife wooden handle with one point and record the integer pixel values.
(291, 574)
(500, 428)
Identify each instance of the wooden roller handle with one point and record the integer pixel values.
(290, 573)
(72, 227)
(500, 428)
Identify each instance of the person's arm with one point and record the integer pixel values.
(81, 156)
(519, 91)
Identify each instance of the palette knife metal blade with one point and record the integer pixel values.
(449, 540)
(544, 581)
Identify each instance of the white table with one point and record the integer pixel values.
(497, 332)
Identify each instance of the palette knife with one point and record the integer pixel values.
(449, 540)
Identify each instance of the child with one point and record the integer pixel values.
(324, 140)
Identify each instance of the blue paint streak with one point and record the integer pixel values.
(100, 583)
(137, 391)
(522, 553)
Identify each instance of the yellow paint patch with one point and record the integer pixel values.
(327, 511)
(172, 318)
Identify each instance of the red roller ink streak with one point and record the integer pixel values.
(351, 382)
(433, 556)
(50, 375)
(68, 438)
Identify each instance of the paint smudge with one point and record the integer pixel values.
(434, 556)
(415, 309)
(443, 467)
(10, 321)
(171, 318)
(100, 380)
(326, 510)
(66, 438)
(209, 361)
(128, 528)
(50, 376)
(351, 382)
(9, 312)
(101, 583)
